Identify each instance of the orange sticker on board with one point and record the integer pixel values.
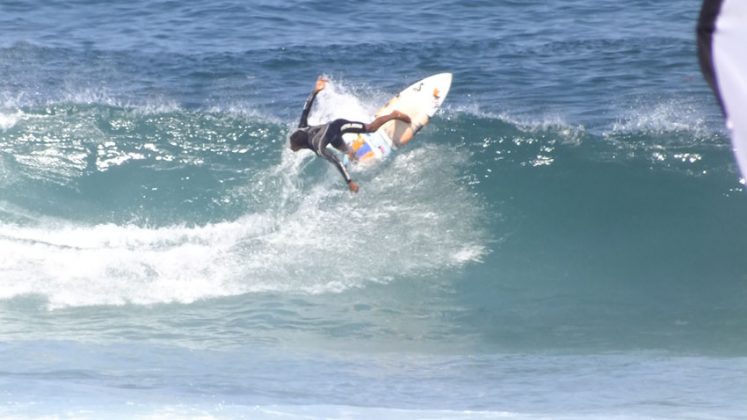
(358, 142)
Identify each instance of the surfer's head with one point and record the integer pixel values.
(299, 140)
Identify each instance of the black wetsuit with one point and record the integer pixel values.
(319, 136)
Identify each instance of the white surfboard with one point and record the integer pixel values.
(419, 101)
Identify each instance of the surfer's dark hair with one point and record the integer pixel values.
(299, 139)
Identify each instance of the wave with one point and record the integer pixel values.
(72, 144)
(293, 228)
(318, 241)
(109, 205)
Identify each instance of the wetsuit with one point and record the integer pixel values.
(319, 136)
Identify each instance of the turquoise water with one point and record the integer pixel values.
(564, 240)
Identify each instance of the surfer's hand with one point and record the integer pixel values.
(321, 82)
(401, 116)
(353, 186)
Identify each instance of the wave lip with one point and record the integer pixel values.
(662, 118)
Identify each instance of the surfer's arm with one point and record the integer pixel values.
(320, 84)
(332, 158)
(306, 109)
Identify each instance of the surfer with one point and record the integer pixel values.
(317, 137)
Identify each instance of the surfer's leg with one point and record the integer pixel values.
(378, 122)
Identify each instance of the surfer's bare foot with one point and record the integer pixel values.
(321, 82)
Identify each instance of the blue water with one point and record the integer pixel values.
(564, 240)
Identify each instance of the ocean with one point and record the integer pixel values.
(564, 240)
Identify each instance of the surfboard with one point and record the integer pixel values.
(419, 101)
